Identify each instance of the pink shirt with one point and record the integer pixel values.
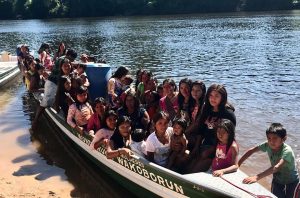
(171, 109)
(81, 116)
(223, 160)
(94, 123)
(48, 64)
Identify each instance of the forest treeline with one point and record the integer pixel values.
(40, 9)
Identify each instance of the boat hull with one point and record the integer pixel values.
(8, 71)
(148, 179)
(140, 175)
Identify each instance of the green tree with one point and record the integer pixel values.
(20, 8)
(258, 5)
(6, 9)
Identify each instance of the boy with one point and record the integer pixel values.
(285, 176)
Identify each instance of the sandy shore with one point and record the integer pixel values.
(23, 173)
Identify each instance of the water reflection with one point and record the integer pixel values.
(51, 146)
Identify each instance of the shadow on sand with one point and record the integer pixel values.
(57, 157)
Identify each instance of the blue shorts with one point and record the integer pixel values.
(291, 190)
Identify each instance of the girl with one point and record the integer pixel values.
(120, 140)
(80, 111)
(215, 109)
(96, 121)
(178, 142)
(226, 159)
(107, 131)
(152, 103)
(80, 72)
(32, 77)
(143, 85)
(76, 82)
(45, 57)
(61, 51)
(158, 142)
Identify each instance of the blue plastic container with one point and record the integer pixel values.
(98, 75)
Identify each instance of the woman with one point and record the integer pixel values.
(138, 115)
(114, 86)
(61, 51)
(184, 98)
(169, 103)
(63, 98)
(198, 95)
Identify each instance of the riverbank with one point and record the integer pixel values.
(24, 173)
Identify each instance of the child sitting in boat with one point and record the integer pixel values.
(80, 111)
(285, 176)
(158, 142)
(96, 120)
(80, 72)
(32, 77)
(178, 142)
(138, 145)
(119, 142)
(107, 131)
(226, 159)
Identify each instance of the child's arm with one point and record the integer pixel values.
(248, 154)
(112, 153)
(111, 88)
(184, 144)
(269, 171)
(231, 168)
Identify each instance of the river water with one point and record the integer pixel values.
(255, 55)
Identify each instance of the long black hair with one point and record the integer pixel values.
(201, 99)
(117, 137)
(229, 127)
(188, 82)
(120, 72)
(81, 90)
(43, 47)
(208, 108)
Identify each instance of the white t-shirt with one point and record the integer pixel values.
(100, 135)
(161, 152)
(138, 147)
